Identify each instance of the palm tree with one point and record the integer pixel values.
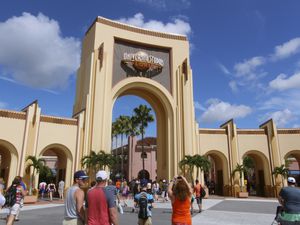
(188, 161)
(122, 124)
(37, 165)
(90, 162)
(143, 117)
(282, 171)
(243, 168)
(201, 163)
(115, 133)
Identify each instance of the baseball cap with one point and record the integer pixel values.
(80, 174)
(101, 175)
(291, 180)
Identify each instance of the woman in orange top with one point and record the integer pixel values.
(180, 194)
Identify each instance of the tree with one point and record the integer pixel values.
(37, 165)
(282, 171)
(90, 162)
(143, 117)
(243, 168)
(201, 163)
(122, 124)
(189, 162)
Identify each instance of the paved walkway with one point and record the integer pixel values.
(220, 211)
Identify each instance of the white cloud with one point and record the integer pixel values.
(223, 68)
(287, 49)
(233, 86)
(177, 26)
(248, 67)
(282, 82)
(198, 106)
(167, 4)
(34, 52)
(281, 118)
(222, 111)
(3, 105)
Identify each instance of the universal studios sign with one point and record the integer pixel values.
(142, 62)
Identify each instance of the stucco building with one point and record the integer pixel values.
(119, 60)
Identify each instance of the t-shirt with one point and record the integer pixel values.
(197, 190)
(291, 197)
(99, 201)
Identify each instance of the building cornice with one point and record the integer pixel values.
(288, 131)
(135, 29)
(59, 120)
(13, 114)
(251, 131)
(212, 131)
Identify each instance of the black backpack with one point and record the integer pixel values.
(143, 204)
(10, 196)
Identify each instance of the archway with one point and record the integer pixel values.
(259, 177)
(160, 101)
(8, 161)
(59, 159)
(217, 178)
(293, 160)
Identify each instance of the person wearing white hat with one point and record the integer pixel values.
(101, 206)
(289, 198)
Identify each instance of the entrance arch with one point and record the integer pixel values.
(259, 178)
(59, 158)
(9, 161)
(218, 176)
(294, 164)
(161, 102)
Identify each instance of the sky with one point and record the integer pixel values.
(245, 55)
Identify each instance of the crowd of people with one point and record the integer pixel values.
(100, 203)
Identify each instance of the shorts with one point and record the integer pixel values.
(72, 222)
(147, 221)
(60, 191)
(14, 209)
(199, 200)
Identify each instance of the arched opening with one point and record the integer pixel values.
(293, 161)
(8, 161)
(59, 160)
(258, 178)
(143, 174)
(160, 101)
(129, 150)
(217, 178)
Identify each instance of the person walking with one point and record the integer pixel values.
(144, 201)
(61, 189)
(289, 198)
(17, 217)
(197, 191)
(42, 188)
(101, 207)
(180, 194)
(51, 190)
(20, 193)
(74, 210)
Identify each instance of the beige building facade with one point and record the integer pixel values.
(119, 60)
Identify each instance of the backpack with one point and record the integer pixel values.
(10, 196)
(202, 192)
(143, 204)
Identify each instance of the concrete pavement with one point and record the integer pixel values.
(225, 211)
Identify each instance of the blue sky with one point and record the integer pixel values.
(245, 54)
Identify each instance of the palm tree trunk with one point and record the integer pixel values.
(143, 157)
(122, 161)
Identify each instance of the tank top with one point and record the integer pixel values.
(181, 211)
(70, 204)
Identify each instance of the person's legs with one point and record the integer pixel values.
(148, 221)
(199, 203)
(10, 219)
(51, 196)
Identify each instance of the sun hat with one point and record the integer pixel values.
(101, 175)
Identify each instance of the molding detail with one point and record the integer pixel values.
(13, 114)
(256, 132)
(123, 26)
(212, 131)
(58, 120)
(289, 131)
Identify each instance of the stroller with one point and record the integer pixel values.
(278, 220)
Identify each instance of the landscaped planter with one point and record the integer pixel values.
(243, 194)
(30, 199)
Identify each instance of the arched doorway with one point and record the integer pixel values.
(293, 160)
(8, 161)
(159, 99)
(217, 178)
(59, 159)
(258, 178)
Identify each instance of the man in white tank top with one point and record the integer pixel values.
(74, 210)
